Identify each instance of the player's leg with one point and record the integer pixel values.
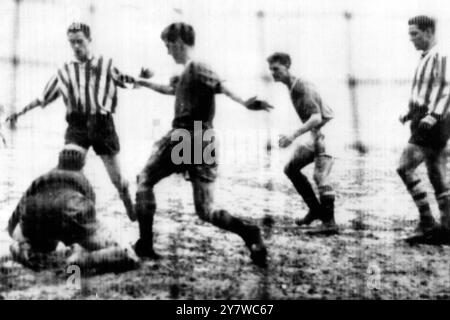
(105, 142)
(303, 156)
(101, 253)
(159, 166)
(436, 163)
(112, 165)
(94, 247)
(412, 156)
(322, 170)
(204, 200)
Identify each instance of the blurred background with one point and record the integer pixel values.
(356, 52)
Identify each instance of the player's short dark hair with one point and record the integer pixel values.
(71, 159)
(280, 57)
(179, 30)
(423, 22)
(78, 26)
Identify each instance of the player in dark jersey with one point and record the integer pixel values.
(430, 130)
(195, 91)
(314, 114)
(59, 206)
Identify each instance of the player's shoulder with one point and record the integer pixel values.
(102, 62)
(53, 175)
(200, 66)
(202, 71)
(60, 174)
(63, 66)
(440, 51)
(304, 86)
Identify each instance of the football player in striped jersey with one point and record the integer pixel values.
(88, 85)
(430, 130)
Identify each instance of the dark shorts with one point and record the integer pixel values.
(99, 132)
(162, 163)
(435, 138)
(51, 216)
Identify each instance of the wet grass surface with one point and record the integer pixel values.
(367, 260)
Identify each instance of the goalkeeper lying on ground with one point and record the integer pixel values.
(59, 206)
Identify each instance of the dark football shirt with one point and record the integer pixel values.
(307, 101)
(195, 99)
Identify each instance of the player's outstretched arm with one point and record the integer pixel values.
(143, 81)
(251, 104)
(14, 116)
(160, 88)
(311, 123)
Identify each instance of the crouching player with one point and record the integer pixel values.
(60, 206)
(314, 114)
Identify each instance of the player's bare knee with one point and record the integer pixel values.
(144, 183)
(117, 180)
(318, 179)
(122, 185)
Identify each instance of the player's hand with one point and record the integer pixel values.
(403, 118)
(77, 255)
(12, 118)
(146, 73)
(427, 122)
(256, 104)
(285, 141)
